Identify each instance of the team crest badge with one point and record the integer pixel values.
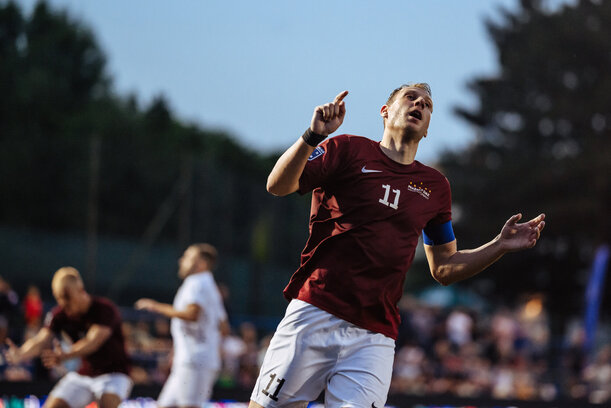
(319, 151)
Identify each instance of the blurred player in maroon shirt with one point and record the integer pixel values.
(94, 326)
(371, 201)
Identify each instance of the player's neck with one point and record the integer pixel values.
(399, 147)
(196, 271)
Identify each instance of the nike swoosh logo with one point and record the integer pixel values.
(364, 170)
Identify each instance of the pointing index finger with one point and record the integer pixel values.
(340, 96)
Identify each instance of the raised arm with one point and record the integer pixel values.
(449, 265)
(284, 177)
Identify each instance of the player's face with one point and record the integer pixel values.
(410, 110)
(188, 262)
(69, 299)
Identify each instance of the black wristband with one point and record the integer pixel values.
(311, 138)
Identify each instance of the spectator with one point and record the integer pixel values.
(32, 312)
(598, 376)
(232, 349)
(32, 307)
(9, 309)
(249, 360)
(459, 326)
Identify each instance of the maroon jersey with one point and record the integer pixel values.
(367, 214)
(111, 357)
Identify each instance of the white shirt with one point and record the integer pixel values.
(199, 341)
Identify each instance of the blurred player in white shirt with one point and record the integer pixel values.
(198, 322)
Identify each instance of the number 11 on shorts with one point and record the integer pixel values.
(280, 382)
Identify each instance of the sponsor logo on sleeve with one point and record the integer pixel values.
(319, 151)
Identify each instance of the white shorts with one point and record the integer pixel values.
(79, 390)
(313, 351)
(188, 385)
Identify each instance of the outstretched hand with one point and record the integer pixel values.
(327, 118)
(11, 354)
(53, 356)
(146, 304)
(515, 237)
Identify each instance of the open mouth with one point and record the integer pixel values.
(416, 114)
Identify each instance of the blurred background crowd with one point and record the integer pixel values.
(482, 351)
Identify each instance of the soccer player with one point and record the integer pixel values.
(370, 203)
(94, 325)
(198, 322)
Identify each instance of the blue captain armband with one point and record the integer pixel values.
(438, 234)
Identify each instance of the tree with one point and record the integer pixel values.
(543, 128)
(78, 158)
(52, 71)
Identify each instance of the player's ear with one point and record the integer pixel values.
(384, 112)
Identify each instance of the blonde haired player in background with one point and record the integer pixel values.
(198, 321)
(94, 325)
(371, 201)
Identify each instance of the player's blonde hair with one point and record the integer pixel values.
(420, 85)
(66, 275)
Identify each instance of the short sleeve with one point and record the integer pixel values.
(324, 161)
(444, 203)
(195, 293)
(205, 294)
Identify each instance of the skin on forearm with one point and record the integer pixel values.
(190, 313)
(284, 177)
(449, 265)
(96, 336)
(34, 346)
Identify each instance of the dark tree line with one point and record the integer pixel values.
(543, 144)
(63, 130)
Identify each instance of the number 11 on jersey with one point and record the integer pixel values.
(395, 204)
